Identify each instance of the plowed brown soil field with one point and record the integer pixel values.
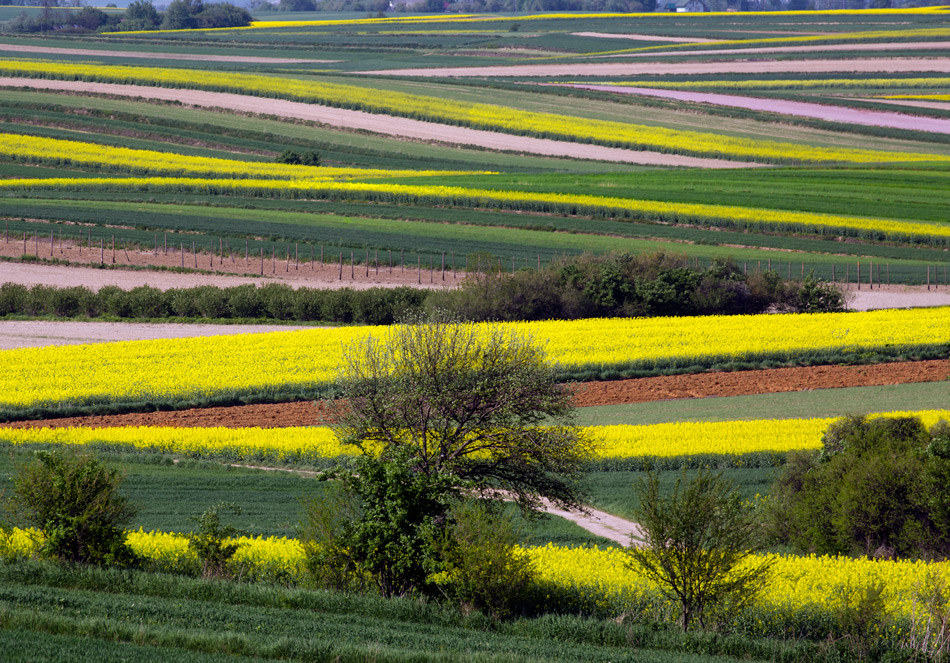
(588, 394)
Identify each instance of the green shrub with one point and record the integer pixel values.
(14, 298)
(73, 499)
(211, 544)
(483, 565)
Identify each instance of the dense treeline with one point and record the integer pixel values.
(140, 15)
(620, 285)
(625, 285)
(375, 306)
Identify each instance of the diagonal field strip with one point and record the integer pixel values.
(380, 124)
(784, 107)
(196, 57)
(865, 65)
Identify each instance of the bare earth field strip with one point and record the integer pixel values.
(814, 48)
(798, 108)
(617, 392)
(39, 333)
(50, 50)
(327, 276)
(380, 124)
(640, 37)
(881, 65)
(916, 103)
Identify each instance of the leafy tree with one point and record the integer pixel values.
(309, 158)
(877, 487)
(697, 542)
(210, 542)
(180, 15)
(73, 499)
(437, 409)
(222, 15)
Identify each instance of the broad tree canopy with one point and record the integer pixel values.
(474, 402)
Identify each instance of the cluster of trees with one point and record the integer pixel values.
(621, 285)
(878, 487)
(274, 301)
(589, 286)
(139, 15)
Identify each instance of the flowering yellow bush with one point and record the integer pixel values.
(484, 116)
(174, 369)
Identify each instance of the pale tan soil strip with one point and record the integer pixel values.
(325, 276)
(898, 297)
(813, 48)
(381, 124)
(16, 48)
(40, 333)
(916, 103)
(882, 65)
(641, 37)
(797, 108)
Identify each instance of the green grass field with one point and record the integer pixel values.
(788, 405)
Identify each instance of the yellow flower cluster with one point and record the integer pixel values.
(201, 367)
(798, 583)
(926, 97)
(36, 148)
(483, 116)
(612, 442)
(785, 83)
(652, 209)
(284, 444)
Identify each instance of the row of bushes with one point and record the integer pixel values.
(620, 285)
(626, 285)
(274, 301)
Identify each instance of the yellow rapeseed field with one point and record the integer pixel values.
(569, 203)
(314, 442)
(171, 369)
(483, 116)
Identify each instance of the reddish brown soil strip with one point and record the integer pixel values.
(743, 383)
(156, 56)
(588, 394)
(381, 124)
(797, 108)
(882, 65)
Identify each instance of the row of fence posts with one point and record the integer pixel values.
(225, 245)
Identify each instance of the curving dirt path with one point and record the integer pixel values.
(380, 124)
(797, 108)
(49, 50)
(882, 65)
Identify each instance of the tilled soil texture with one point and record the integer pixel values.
(588, 394)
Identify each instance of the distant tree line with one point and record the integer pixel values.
(140, 15)
(620, 285)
